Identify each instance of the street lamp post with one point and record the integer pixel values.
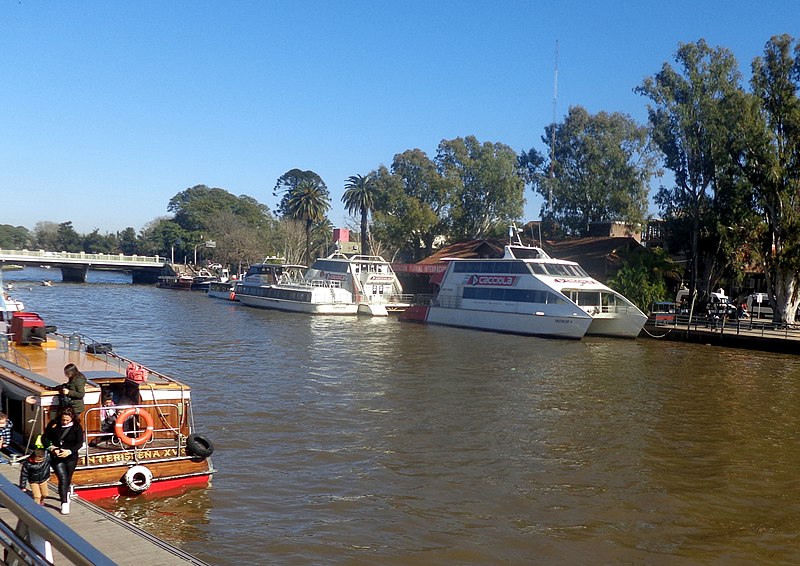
(207, 244)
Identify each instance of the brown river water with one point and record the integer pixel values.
(371, 441)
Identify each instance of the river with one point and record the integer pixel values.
(371, 441)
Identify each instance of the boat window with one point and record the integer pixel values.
(538, 269)
(513, 295)
(329, 265)
(588, 298)
(524, 252)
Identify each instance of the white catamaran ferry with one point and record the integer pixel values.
(528, 292)
(337, 284)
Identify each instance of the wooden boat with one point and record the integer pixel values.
(153, 446)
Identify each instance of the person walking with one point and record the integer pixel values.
(63, 438)
(36, 471)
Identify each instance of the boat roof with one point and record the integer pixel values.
(41, 366)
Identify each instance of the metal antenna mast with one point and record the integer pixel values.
(553, 130)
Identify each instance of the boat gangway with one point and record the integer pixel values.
(87, 536)
(73, 266)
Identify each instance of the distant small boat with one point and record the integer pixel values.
(175, 282)
(47, 283)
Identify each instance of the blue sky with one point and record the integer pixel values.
(109, 109)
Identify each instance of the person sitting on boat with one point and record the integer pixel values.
(63, 437)
(5, 437)
(72, 392)
(108, 419)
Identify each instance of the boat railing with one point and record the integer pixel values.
(394, 299)
(24, 543)
(166, 413)
(424, 299)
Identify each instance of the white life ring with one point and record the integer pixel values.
(138, 478)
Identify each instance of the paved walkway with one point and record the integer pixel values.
(121, 542)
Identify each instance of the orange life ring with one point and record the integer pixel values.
(232, 296)
(124, 416)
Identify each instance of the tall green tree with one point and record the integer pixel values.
(688, 124)
(413, 204)
(288, 182)
(359, 197)
(489, 183)
(767, 150)
(14, 237)
(600, 171)
(308, 202)
(68, 239)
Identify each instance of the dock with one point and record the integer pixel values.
(120, 542)
(749, 334)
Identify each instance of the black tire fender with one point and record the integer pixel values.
(200, 446)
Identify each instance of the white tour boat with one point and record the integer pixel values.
(528, 292)
(336, 284)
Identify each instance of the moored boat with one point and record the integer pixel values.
(153, 445)
(336, 284)
(222, 290)
(180, 282)
(528, 292)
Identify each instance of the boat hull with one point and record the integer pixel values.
(548, 326)
(347, 309)
(627, 325)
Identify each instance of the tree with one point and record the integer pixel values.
(196, 207)
(488, 181)
(14, 237)
(68, 239)
(289, 181)
(128, 242)
(359, 196)
(766, 146)
(642, 278)
(688, 124)
(412, 204)
(45, 236)
(600, 171)
(308, 202)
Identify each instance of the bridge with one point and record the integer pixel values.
(73, 266)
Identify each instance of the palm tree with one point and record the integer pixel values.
(309, 202)
(359, 196)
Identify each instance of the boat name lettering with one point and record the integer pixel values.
(334, 277)
(123, 457)
(563, 321)
(376, 278)
(576, 281)
(492, 280)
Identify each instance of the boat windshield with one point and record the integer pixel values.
(558, 269)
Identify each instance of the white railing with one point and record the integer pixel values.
(78, 256)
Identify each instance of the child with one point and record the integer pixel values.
(36, 471)
(5, 437)
(108, 419)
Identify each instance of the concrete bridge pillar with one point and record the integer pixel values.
(74, 273)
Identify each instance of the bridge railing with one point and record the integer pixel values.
(79, 256)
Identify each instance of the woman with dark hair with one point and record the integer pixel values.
(63, 437)
(74, 389)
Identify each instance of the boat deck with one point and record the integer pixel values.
(120, 541)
